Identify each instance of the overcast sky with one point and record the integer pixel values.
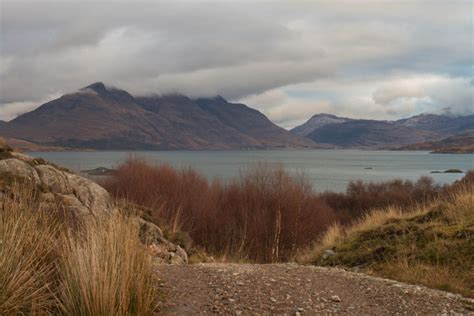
(289, 59)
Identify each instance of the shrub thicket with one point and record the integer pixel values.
(266, 214)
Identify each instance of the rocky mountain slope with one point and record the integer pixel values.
(357, 133)
(100, 117)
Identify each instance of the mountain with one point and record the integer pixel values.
(317, 121)
(441, 124)
(357, 133)
(367, 133)
(459, 143)
(99, 117)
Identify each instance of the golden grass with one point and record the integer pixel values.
(337, 233)
(107, 271)
(434, 276)
(47, 267)
(27, 257)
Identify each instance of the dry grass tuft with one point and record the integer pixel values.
(48, 267)
(107, 271)
(28, 256)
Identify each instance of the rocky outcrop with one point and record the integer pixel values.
(165, 251)
(57, 187)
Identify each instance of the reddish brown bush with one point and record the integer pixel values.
(264, 215)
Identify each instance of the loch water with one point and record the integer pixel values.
(327, 169)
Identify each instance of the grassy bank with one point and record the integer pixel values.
(431, 245)
(49, 266)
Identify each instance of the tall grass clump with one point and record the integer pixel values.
(106, 271)
(47, 266)
(28, 255)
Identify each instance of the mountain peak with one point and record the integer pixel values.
(317, 121)
(324, 115)
(98, 87)
(109, 92)
(219, 98)
(216, 98)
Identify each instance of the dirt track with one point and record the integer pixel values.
(291, 289)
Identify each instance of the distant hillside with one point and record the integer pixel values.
(367, 133)
(23, 145)
(355, 133)
(441, 124)
(99, 117)
(459, 143)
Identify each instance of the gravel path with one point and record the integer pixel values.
(291, 289)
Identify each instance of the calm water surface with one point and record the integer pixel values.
(327, 169)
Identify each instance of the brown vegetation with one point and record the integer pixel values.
(98, 267)
(264, 215)
(362, 196)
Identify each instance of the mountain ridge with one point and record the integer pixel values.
(341, 132)
(102, 117)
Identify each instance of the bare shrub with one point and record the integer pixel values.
(361, 197)
(264, 215)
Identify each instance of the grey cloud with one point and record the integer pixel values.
(233, 49)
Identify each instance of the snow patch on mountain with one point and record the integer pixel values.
(317, 121)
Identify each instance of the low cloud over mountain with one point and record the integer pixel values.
(375, 59)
